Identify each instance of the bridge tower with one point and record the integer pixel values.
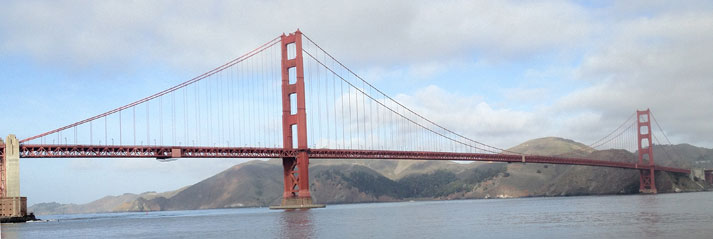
(647, 182)
(296, 193)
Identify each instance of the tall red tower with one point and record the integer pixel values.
(647, 182)
(296, 193)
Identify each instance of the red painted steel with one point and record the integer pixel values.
(508, 158)
(102, 151)
(647, 181)
(295, 169)
(161, 152)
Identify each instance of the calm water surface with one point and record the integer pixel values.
(686, 215)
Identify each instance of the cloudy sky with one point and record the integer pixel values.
(500, 72)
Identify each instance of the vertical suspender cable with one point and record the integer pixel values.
(219, 105)
(334, 106)
(197, 114)
(276, 72)
(351, 124)
(309, 97)
(363, 106)
(231, 116)
(185, 116)
(148, 124)
(277, 99)
(326, 104)
(231, 85)
(120, 127)
(160, 119)
(251, 84)
(371, 121)
(379, 126)
(173, 117)
(208, 116)
(318, 82)
(356, 102)
(133, 116)
(241, 103)
(341, 99)
(263, 83)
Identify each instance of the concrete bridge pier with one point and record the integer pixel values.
(697, 174)
(12, 205)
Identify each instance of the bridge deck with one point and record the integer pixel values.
(162, 152)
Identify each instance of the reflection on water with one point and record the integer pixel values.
(296, 224)
(648, 217)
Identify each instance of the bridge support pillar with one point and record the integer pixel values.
(294, 125)
(11, 204)
(296, 175)
(647, 181)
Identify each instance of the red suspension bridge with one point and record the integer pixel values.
(290, 99)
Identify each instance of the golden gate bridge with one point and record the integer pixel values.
(291, 99)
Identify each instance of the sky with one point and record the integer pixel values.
(501, 72)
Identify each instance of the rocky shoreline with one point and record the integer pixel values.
(26, 218)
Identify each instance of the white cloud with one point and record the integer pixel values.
(205, 34)
(525, 94)
(660, 62)
(473, 117)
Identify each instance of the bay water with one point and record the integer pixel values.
(682, 215)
